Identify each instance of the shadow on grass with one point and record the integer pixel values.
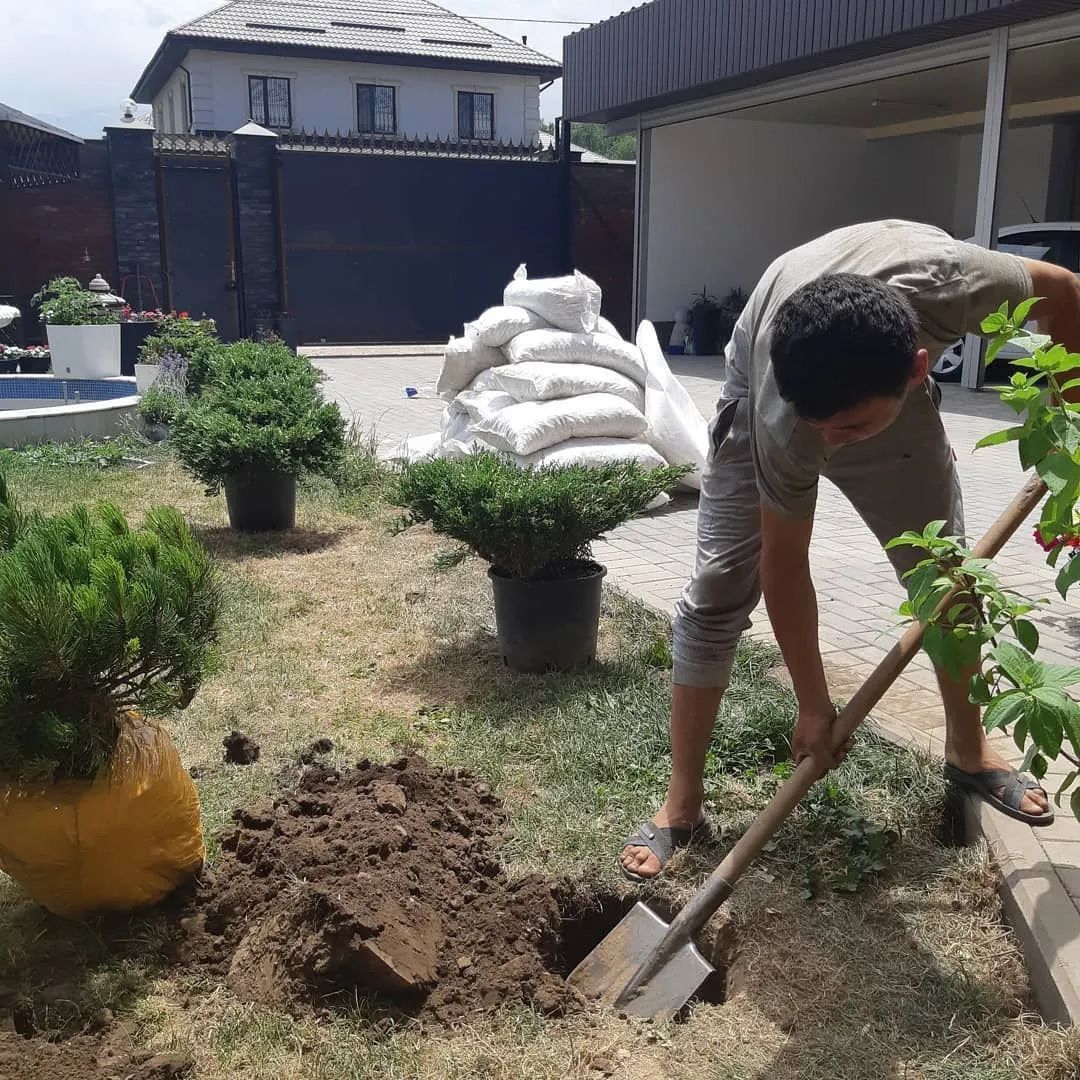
(235, 546)
(60, 978)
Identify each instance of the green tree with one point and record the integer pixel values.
(593, 137)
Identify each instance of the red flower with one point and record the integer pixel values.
(184, 315)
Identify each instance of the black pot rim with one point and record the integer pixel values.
(587, 570)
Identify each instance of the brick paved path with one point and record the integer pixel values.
(651, 558)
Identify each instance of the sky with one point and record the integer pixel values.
(73, 63)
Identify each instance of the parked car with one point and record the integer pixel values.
(1054, 242)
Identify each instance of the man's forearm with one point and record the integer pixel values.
(792, 605)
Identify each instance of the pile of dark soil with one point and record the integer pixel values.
(382, 882)
(84, 1058)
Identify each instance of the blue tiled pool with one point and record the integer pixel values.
(41, 408)
(19, 391)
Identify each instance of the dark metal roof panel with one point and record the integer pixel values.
(670, 51)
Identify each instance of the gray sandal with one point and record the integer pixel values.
(663, 842)
(1014, 784)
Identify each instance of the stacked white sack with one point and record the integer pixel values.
(546, 379)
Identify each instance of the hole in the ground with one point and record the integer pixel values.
(588, 918)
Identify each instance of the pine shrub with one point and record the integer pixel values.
(96, 619)
(528, 524)
(261, 409)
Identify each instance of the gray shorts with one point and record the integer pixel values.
(902, 479)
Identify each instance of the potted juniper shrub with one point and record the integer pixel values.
(536, 529)
(102, 625)
(84, 335)
(259, 423)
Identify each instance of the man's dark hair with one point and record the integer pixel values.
(840, 341)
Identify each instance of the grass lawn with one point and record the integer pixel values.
(861, 948)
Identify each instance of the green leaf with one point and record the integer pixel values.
(1059, 472)
(1046, 728)
(1006, 709)
(1070, 719)
(1069, 576)
(1033, 448)
(1072, 384)
(1027, 633)
(979, 691)
(998, 437)
(1020, 733)
(995, 322)
(1017, 664)
(1059, 677)
(1074, 804)
(1065, 785)
(1023, 310)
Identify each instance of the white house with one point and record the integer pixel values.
(378, 67)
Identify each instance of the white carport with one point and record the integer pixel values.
(968, 134)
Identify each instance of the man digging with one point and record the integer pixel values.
(828, 375)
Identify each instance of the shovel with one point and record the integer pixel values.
(650, 969)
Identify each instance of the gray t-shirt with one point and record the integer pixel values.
(953, 286)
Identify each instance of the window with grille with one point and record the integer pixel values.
(476, 115)
(271, 101)
(376, 109)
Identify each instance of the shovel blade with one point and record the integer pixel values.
(603, 974)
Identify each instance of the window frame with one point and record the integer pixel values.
(460, 92)
(361, 84)
(266, 80)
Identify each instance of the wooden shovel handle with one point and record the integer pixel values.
(719, 886)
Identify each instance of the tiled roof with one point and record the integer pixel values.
(403, 27)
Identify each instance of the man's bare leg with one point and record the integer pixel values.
(693, 716)
(966, 745)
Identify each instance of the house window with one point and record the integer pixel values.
(271, 101)
(376, 109)
(476, 115)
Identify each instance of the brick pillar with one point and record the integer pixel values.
(133, 176)
(255, 167)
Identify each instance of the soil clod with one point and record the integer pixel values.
(240, 749)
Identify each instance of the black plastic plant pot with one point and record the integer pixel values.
(7, 367)
(548, 625)
(261, 501)
(703, 330)
(35, 365)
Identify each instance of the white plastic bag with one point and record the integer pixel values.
(604, 326)
(537, 381)
(562, 347)
(480, 404)
(464, 359)
(499, 324)
(676, 427)
(535, 425)
(593, 453)
(567, 303)
(414, 448)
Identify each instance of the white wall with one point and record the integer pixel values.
(726, 196)
(1023, 180)
(324, 94)
(171, 103)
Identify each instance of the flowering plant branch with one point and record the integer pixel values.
(1017, 691)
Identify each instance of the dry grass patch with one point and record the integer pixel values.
(345, 630)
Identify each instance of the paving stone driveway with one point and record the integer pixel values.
(651, 558)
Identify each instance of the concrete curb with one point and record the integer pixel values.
(1037, 907)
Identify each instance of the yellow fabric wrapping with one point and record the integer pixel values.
(122, 841)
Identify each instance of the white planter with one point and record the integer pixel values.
(145, 376)
(85, 352)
